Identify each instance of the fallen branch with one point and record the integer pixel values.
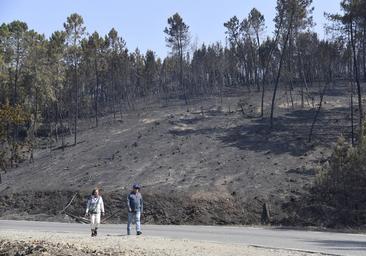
(72, 199)
(110, 216)
(78, 218)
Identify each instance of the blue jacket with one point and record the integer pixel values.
(135, 202)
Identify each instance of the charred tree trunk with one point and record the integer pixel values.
(114, 92)
(181, 81)
(279, 72)
(62, 128)
(356, 74)
(352, 121)
(96, 98)
(364, 51)
(317, 112)
(76, 114)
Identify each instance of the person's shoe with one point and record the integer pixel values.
(92, 233)
(139, 233)
(95, 232)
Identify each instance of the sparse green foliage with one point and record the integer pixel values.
(341, 183)
(177, 34)
(10, 116)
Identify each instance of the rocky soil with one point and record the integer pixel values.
(41, 243)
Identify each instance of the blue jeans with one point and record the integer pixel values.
(133, 217)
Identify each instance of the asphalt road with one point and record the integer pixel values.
(324, 242)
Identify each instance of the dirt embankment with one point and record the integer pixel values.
(169, 209)
(38, 243)
(159, 209)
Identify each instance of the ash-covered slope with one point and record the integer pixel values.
(206, 165)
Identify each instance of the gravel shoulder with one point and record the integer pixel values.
(47, 243)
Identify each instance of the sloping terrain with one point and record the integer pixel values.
(215, 163)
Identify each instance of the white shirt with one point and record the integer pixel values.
(95, 204)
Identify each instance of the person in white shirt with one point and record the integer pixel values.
(95, 208)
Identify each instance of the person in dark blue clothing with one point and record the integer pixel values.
(135, 208)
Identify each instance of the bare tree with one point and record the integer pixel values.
(75, 31)
(178, 38)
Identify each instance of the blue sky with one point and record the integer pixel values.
(141, 22)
